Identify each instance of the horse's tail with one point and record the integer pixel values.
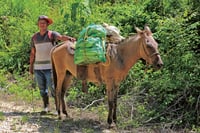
(53, 65)
(53, 68)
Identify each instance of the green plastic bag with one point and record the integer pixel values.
(90, 47)
(89, 43)
(91, 50)
(93, 31)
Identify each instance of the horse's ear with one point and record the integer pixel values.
(147, 29)
(138, 30)
(105, 24)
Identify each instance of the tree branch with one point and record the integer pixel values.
(93, 103)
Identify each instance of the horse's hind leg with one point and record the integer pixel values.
(63, 102)
(84, 86)
(58, 93)
(66, 84)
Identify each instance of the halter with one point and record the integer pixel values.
(150, 56)
(155, 53)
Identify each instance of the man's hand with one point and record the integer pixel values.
(71, 39)
(32, 59)
(66, 38)
(31, 69)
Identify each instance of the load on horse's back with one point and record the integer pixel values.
(113, 34)
(91, 48)
(127, 52)
(91, 44)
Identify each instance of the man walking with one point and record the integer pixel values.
(40, 65)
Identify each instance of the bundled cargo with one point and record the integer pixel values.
(113, 34)
(90, 47)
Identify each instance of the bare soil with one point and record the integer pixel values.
(22, 117)
(19, 116)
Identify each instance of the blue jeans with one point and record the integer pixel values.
(45, 82)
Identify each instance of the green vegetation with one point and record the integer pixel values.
(170, 96)
(2, 117)
(21, 86)
(24, 119)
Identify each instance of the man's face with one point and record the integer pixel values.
(42, 24)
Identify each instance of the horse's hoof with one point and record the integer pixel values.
(112, 126)
(59, 117)
(67, 116)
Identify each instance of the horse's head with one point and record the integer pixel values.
(149, 48)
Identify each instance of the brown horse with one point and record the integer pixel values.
(111, 73)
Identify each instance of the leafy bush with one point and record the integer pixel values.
(80, 99)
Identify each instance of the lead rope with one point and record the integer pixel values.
(107, 63)
(145, 70)
(33, 86)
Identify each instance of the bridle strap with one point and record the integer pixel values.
(156, 53)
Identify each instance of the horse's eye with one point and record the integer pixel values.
(147, 41)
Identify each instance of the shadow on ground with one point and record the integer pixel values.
(50, 123)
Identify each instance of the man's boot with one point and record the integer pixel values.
(46, 104)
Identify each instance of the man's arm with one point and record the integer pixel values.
(32, 59)
(65, 38)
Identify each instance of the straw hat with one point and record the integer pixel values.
(43, 17)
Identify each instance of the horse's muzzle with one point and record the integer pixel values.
(159, 65)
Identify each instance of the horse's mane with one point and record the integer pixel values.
(127, 39)
(112, 48)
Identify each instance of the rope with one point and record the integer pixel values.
(107, 63)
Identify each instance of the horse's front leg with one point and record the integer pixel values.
(112, 91)
(115, 104)
(110, 111)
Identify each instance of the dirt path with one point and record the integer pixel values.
(21, 117)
